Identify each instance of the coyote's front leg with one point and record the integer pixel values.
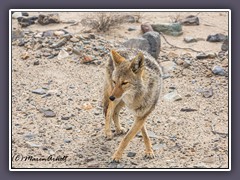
(138, 124)
(108, 118)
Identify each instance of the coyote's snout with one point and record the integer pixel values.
(133, 79)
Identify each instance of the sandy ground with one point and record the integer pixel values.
(196, 139)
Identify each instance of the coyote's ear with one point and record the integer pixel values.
(137, 63)
(117, 58)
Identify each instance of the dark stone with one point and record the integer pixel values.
(154, 42)
(24, 22)
(202, 56)
(132, 29)
(35, 63)
(49, 113)
(131, 154)
(190, 20)
(224, 46)
(25, 14)
(207, 93)
(48, 19)
(216, 38)
(187, 109)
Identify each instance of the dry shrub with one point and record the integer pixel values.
(103, 21)
(175, 18)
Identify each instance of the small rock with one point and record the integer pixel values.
(58, 33)
(190, 20)
(224, 46)
(48, 19)
(86, 42)
(216, 38)
(67, 140)
(92, 36)
(173, 29)
(131, 154)
(202, 56)
(120, 166)
(25, 14)
(49, 113)
(25, 56)
(32, 145)
(16, 15)
(39, 91)
(24, 22)
(207, 93)
(190, 39)
(186, 63)
(74, 39)
(69, 128)
(87, 106)
(104, 148)
(187, 109)
(35, 63)
(93, 165)
(218, 70)
(113, 165)
(146, 28)
(65, 117)
(60, 43)
(172, 96)
(62, 54)
(132, 29)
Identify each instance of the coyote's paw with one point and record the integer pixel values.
(109, 135)
(116, 158)
(121, 131)
(149, 155)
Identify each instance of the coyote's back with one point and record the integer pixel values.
(133, 79)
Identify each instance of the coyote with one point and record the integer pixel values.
(133, 79)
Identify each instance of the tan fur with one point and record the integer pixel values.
(133, 78)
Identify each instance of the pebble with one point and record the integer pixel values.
(190, 39)
(49, 113)
(39, 91)
(218, 70)
(25, 56)
(32, 145)
(172, 96)
(58, 33)
(202, 56)
(69, 128)
(74, 39)
(62, 54)
(216, 38)
(132, 29)
(67, 140)
(65, 117)
(187, 109)
(35, 63)
(207, 93)
(131, 154)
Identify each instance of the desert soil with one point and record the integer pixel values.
(73, 93)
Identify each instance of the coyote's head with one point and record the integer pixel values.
(127, 75)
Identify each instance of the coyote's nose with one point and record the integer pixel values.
(112, 98)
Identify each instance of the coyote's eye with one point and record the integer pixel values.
(114, 82)
(124, 83)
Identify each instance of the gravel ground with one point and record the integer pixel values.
(57, 112)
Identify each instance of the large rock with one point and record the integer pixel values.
(173, 29)
(216, 38)
(138, 43)
(48, 19)
(149, 42)
(154, 42)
